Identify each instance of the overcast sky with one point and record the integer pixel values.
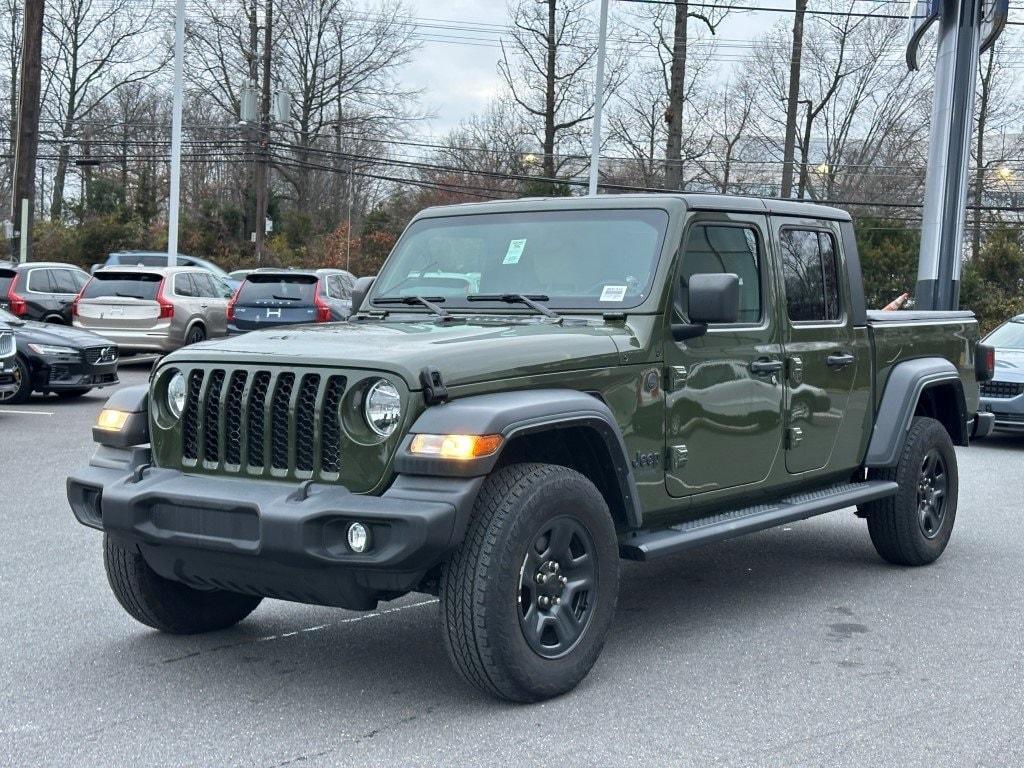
(458, 76)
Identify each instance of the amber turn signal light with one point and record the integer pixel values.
(455, 446)
(111, 420)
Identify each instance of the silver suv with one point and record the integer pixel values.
(153, 309)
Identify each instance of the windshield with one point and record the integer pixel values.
(1007, 336)
(603, 259)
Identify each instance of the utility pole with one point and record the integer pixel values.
(793, 100)
(27, 141)
(966, 29)
(263, 138)
(174, 200)
(595, 131)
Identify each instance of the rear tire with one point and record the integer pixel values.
(913, 527)
(529, 597)
(166, 605)
(195, 335)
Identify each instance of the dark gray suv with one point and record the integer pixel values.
(40, 290)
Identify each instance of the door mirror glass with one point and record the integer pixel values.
(713, 298)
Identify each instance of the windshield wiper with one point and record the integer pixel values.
(284, 298)
(128, 296)
(423, 301)
(516, 298)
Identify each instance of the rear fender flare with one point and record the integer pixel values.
(516, 414)
(907, 383)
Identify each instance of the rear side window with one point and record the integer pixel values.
(811, 274)
(718, 249)
(39, 281)
(184, 285)
(273, 289)
(123, 285)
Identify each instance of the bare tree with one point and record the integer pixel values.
(91, 49)
(547, 67)
(733, 108)
(10, 49)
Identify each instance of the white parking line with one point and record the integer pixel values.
(26, 413)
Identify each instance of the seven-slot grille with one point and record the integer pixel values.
(279, 424)
(1003, 389)
(6, 345)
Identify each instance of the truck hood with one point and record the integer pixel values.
(464, 352)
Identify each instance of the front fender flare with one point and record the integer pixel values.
(512, 414)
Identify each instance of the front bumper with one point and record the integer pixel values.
(8, 384)
(54, 377)
(1007, 411)
(282, 540)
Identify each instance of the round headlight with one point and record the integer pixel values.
(176, 394)
(383, 408)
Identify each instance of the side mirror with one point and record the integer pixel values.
(711, 298)
(359, 291)
(714, 298)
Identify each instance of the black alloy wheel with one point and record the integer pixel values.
(931, 493)
(557, 587)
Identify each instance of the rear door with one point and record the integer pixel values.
(269, 300)
(821, 352)
(724, 389)
(121, 301)
(213, 302)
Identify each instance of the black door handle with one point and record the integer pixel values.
(840, 360)
(764, 367)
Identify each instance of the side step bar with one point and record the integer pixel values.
(647, 545)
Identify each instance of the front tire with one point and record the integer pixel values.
(913, 527)
(23, 379)
(529, 597)
(166, 605)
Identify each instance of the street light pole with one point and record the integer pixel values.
(175, 198)
(595, 133)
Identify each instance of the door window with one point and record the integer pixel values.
(67, 280)
(811, 275)
(723, 249)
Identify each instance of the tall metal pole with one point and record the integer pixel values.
(949, 151)
(595, 133)
(175, 199)
(26, 145)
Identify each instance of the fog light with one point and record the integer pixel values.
(358, 538)
(111, 420)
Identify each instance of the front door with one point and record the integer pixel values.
(724, 389)
(821, 359)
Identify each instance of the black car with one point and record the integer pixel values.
(40, 290)
(269, 298)
(52, 358)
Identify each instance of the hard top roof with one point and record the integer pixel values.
(692, 201)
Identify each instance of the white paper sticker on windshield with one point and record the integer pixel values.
(613, 293)
(514, 252)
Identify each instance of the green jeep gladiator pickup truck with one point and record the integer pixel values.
(529, 391)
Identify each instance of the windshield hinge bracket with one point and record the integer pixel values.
(434, 390)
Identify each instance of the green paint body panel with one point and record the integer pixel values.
(738, 428)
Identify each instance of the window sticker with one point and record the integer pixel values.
(514, 252)
(613, 293)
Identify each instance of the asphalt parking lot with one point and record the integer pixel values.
(796, 646)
